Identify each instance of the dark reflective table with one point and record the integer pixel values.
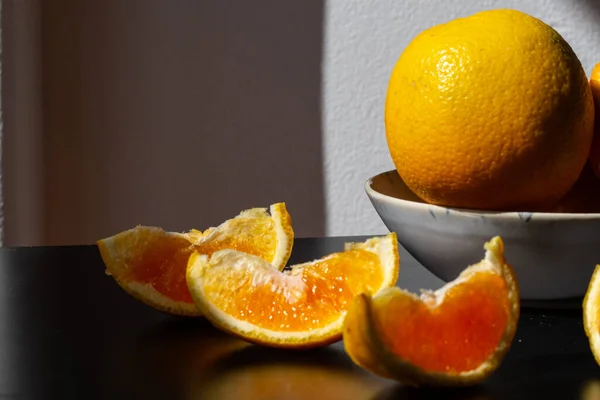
(67, 331)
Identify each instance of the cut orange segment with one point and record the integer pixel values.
(303, 307)
(457, 335)
(591, 313)
(149, 263)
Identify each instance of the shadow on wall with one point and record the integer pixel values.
(180, 114)
(593, 6)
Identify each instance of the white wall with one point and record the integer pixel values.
(363, 39)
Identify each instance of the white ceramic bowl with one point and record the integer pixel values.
(553, 254)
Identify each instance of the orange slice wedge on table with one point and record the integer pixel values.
(457, 335)
(303, 307)
(149, 263)
(591, 313)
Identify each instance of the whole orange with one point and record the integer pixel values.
(493, 111)
(595, 152)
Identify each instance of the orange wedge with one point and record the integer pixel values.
(150, 264)
(457, 335)
(591, 313)
(304, 307)
(595, 152)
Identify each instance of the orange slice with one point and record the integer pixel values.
(150, 264)
(303, 307)
(591, 313)
(457, 335)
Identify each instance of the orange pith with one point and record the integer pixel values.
(460, 333)
(308, 298)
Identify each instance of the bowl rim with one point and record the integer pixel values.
(466, 212)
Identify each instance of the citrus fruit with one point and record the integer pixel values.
(492, 111)
(595, 152)
(591, 313)
(149, 263)
(304, 307)
(457, 335)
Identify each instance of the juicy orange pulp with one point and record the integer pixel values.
(300, 299)
(163, 266)
(461, 333)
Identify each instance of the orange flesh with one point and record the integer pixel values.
(456, 336)
(300, 300)
(162, 264)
